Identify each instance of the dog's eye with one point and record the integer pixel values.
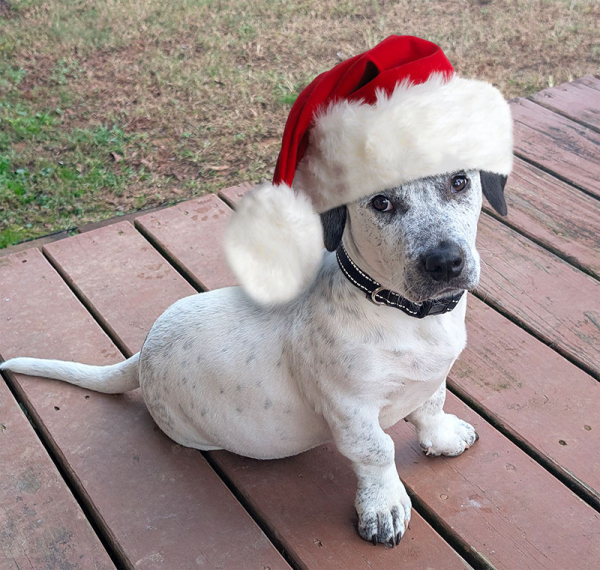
(382, 204)
(459, 183)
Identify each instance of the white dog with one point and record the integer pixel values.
(219, 371)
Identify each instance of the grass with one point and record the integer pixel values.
(108, 107)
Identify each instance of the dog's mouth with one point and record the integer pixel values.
(447, 292)
(423, 289)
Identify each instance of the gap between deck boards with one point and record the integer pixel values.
(537, 335)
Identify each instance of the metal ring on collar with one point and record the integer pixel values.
(374, 296)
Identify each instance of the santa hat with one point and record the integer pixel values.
(380, 119)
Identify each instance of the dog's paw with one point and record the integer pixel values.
(451, 436)
(384, 509)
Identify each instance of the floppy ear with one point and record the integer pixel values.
(493, 189)
(333, 222)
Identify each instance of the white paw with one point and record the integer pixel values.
(383, 508)
(450, 436)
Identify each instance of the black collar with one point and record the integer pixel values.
(381, 296)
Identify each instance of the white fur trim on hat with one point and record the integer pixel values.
(274, 243)
(437, 127)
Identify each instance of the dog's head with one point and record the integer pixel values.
(418, 239)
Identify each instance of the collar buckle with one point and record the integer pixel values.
(374, 296)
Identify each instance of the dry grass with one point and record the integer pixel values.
(198, 91)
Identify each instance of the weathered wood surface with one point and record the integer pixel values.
(332, 541)
(132, 256)
(577, 100)
(165, 225)
(161, 505)
(41, 524)
(559, 145)
(493, 498)
(539, 397)
(503, 502)
(560, 303)
(556, 215)
(233, 194)
(589, 80)
(527, 475)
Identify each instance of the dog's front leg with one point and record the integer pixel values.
(440, 433)
(382, 503)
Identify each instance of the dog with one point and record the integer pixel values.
(219, 371)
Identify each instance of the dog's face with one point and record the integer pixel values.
(419, 239)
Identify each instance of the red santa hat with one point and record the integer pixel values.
(393, 114)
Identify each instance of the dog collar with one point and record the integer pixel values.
(381, 296)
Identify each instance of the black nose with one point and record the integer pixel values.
(444, 262)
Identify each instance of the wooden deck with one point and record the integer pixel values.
(87, 481)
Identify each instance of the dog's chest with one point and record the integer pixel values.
(411, 371)
(422, 351)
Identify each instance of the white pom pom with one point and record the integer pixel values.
(274, 243)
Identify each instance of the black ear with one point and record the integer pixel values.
(333, 222)
(493, 189)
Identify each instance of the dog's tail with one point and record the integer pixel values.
(113, 379)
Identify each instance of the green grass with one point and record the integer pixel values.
(108, 107)
(59, 190)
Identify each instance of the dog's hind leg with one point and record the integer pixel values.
(440, 433)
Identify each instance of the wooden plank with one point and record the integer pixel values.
(171, 225)
(576, 100)
(558, 216)
(233, 194)
(162, 505)
(590, 81)
(131, 256)
(502, 523)
(508, 508)
(309, 499)
(41, 524)
(533, 392)
(336, 542)
(559, 145)
(540, 290)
